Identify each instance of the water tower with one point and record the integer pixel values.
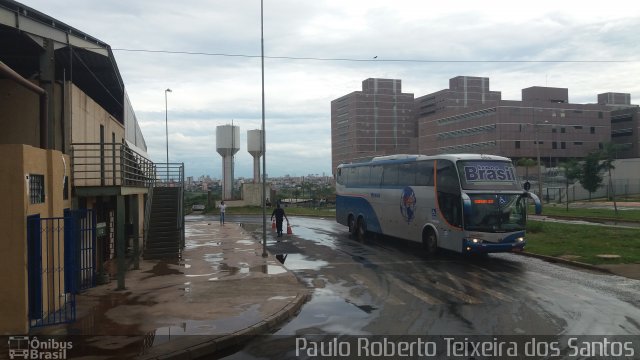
(227, 144)
(254, 147)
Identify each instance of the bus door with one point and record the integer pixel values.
(449, 206)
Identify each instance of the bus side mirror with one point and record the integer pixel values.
(527, 186)
(536, 201)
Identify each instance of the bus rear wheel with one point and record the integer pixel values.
(430, 242)
(352, 225)
(361, 230)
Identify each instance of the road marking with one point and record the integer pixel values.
(414, 291)
(489, 291)
(376, 290)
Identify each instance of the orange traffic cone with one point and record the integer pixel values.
(273, 224)
(289, 231)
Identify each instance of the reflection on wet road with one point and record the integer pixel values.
(388, 287)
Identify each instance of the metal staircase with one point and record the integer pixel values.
(164, 228)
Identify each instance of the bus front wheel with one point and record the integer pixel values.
(430, 241)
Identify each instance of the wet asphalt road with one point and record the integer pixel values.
(387, 287)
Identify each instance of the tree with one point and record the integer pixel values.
(571, 174)
(590, 176)
(527, 163)
(608, 155)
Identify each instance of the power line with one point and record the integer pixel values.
(375, 59)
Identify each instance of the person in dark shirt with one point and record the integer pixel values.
(278, 212)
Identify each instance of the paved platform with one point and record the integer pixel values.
(221, 288)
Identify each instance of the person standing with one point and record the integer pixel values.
(223, 208)
(278, 212)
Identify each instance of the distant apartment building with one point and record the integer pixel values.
(375, 121)
(469, 117)
(625, 123)
(543, 124)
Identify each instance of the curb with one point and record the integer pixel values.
(219, 343)
(578, 264)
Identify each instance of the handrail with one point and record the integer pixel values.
(111, 164)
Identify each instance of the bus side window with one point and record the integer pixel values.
(407, 174)
(339, 178)
(363, 175)
(424, 173)
(376, 176)
(390, 175)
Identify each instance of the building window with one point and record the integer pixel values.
(577, 143)
(517, 144)
(577, 127)
(599, 114)
(554, 145)
(563, 145)
(36, 189)
(562, 130)
(554, 130)
(593, 129)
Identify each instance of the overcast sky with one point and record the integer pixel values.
(589, 47)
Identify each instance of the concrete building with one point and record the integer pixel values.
(469, 117)
(74, 174)
(543, 124)
(625, 123)
(375, 121)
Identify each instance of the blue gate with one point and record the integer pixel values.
(61, 258)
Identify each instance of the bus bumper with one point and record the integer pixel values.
(471, 247)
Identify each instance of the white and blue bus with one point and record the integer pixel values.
(468, 203)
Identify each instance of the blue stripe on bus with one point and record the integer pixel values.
(357, 205)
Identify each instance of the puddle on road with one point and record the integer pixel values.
(193, 245)
(245, 242)
(301, 262)
(207, 327)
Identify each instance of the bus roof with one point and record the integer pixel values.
(402, 158)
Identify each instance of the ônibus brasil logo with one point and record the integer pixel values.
(24, 347)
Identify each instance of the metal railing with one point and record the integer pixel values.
(111, 164)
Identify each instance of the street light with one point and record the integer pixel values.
(538, 156)
(263, 140)
(166, 127)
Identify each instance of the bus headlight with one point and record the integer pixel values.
(476, 241)
(520, 239)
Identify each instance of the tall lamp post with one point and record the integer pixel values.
(166, 127)
(263, 140)
(537, 135)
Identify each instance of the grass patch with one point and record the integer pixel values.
(583, 242)
(561, 211)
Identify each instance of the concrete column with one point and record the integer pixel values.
(120, 240)
(134, 204)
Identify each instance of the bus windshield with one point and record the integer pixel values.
(496, 213)
(487, 175)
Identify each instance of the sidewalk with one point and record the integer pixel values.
(221, 288)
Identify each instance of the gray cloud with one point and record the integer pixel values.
(214, 90)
